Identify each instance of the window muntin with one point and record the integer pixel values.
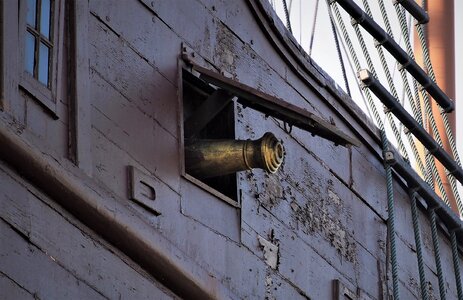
(39, 40)
(41, 44)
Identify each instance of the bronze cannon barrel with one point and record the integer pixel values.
(211, 158)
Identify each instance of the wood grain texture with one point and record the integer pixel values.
(324, 212)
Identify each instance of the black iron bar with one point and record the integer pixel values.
(412, 125)
(446, 215)
(415, 10)
(278, 108)
(398, 53)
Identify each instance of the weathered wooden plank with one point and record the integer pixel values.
(327, 238)
(114, 175)
(88, 259)
(369, 180)
(447, 267)
(110, 216)
(150, 37)
(81, 102)
(10, 58)
(133, 76)
(307, 179)
(225, 259)
(121, 122)
(369, 233)
(248, 67)
(37, 271)
(277, 287)
(232, 57)
(252, 124)
(11, 290)
(303, 266)
(49, 135)
(210, 211)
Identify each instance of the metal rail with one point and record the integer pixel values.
(414, 182)
(275, 107)
(397, 52)
(418, 131)
(415, 10)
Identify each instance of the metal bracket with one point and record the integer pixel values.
(389, 157)
(280, 109)
(142, 189)
(340, 291)
(188, 54)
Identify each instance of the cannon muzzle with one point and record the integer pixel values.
(211, 158)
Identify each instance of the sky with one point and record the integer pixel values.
(325, 54)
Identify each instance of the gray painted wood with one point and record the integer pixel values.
(38, 272)
(135, 133)
(325, 210)
(11, 60)
(72, 246)
(81, 101)
(10, 290)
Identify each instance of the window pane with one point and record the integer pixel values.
(45, 18)
(31, 12)
(44, 58)
(29, 53)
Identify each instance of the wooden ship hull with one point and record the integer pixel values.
(97, 200)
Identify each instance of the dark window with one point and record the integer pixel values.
(39, 40)
(219, 124)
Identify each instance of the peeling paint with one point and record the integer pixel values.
(268, 288)
(270, 252)
(316, 218)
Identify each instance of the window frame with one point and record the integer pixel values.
(234, 203)
(45, 95)
(256, 100)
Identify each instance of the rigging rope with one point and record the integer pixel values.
(419, 251)
(432, 169)
(385, 146)
(389, 116)
(288, 22)
(338, 49)
(436, 246)
(354, 73)
(354, 57)
(453, 237)
(427, 167)
(391, 219)
(448, 130)
(456, 264)
(431, 162)
(314, 25)
(394, 93)
(406, 87)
